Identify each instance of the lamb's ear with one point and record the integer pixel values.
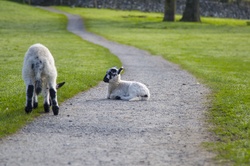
(59, 85)
(120, 70)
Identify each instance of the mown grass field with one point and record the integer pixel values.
(216, 51)
(80, 64)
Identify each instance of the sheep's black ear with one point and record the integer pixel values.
(59, 85)
(120, 70)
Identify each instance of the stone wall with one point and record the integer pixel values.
(207, 7)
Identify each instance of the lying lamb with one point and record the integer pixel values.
(124, 90)
(39, 74)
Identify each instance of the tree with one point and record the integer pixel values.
(29, 2)
(169, 10)
(192, 11)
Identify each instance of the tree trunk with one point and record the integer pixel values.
(169, 10)
(192, 11)
(95, 3)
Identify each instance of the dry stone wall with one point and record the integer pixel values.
(207, 7)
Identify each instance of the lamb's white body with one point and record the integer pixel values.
(43, 65)
(125, 90)
(39, 74)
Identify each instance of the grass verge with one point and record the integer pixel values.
(215, 51)
(81, 64)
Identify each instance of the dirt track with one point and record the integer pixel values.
(91, 130)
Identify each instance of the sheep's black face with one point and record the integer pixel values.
(111, 73)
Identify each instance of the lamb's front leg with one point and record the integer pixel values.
(127, 98)
(109, 93)
(119, 97)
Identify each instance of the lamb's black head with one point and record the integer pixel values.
(112, 73)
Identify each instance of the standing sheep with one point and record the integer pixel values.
(39, 74)
(124, 90)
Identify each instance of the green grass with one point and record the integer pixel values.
(216, 51)
(80, 64)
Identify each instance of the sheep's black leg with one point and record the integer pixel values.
(35, 104)
(30, 91)
(46, 107)
(54, 103)
(117, 97)
(46, 103)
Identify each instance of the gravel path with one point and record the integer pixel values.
(91, 130)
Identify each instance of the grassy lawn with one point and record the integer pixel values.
(81, 64)
(217, 52)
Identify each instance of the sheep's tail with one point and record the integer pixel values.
(38, 86)
(38, 78)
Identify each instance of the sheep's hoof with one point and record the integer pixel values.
(46, 107)
(28, 110)
(55, 110)
(117, 97)
(35, 105)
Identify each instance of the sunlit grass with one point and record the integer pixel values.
(80, 64)
(216, 51)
